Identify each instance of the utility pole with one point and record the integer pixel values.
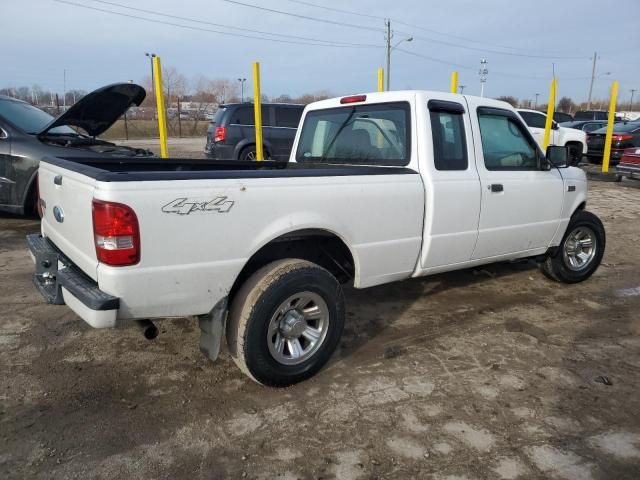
(535, 104)
(151, 55)
(593, 76)
(633, 90)
(461, 88)
(388, 24)
(483, 72)
(64, 89)
(242, 80)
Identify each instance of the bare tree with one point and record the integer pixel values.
(513, 101)
(565, 104)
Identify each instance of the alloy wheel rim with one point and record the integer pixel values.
(579, 248)
(298, 328)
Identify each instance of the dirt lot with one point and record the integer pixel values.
(488, 373)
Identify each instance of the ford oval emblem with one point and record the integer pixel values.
(58, 214)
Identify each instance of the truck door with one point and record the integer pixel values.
(452, 187)
(521, 203)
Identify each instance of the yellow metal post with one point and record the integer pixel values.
(610, 120)
(257, 111)
(550, 109)
(454, 82)
(162, 114)
(381, 79)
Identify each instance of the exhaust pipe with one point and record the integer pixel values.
(149, 330)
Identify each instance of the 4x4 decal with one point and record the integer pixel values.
(185, 206)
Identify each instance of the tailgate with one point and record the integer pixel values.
(67, 220)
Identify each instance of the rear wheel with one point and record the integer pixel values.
(249, 154)
(285, 322)
(580, 251)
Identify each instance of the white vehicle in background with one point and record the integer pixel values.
(575, 140)
(379, 187)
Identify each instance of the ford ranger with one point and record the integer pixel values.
(379, 187)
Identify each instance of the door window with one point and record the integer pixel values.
(449, 143)
(534, 120)
(506, 145)
(288, 117)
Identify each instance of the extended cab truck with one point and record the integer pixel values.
(380, 187)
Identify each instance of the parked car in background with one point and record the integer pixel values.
(27, 134)
(625, 135)
(231, 134)
(562, 117)
(594, 115)
(585, 125)
(629, 165)
(574, 140)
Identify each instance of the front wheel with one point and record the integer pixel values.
(285, 322)
(580, 251)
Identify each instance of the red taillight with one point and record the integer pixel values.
(621, 138)
(116, 233)
(353, 99)
(220, 134)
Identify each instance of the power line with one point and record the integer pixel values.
(305, 17)
(194, 20)
(190, 27)
(442, 42)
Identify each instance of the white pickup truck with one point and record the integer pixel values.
(572, 138)
(380, 187)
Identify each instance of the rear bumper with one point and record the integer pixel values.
(60, 282)
(220, 151)
(630, 170)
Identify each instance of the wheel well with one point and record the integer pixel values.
(267, 152)
(580, 207)
(318, 246)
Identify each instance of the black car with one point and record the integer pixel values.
(625, 135)
(585, 125)
(27, 134)
(231, 134)
(594, 115)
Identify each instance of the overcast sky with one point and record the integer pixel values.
(41, 38)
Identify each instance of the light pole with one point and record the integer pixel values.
(242, 80)
(151, 55)
(483, 72)
(388, 37)
(461, 88)
(535, 104)
(633, 90)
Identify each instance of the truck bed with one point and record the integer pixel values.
(149, 169)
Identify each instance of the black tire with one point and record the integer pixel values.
(557, 266)
(248, 154)
(256, 304)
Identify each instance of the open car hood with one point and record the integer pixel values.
(98, 110)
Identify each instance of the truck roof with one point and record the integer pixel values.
(404, 95)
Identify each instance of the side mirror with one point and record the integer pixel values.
(557, 156)
(554, 125)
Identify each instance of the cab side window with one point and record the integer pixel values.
(505, 143)
(449, 142)
(534, 120)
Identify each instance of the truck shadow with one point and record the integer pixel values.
(455, 298)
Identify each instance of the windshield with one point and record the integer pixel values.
(28, 118)
(363, 134)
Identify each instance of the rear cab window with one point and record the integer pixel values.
(374, 134)
(535, 120)
(448, 134)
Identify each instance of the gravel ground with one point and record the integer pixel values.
(488, 373)
(188, 147)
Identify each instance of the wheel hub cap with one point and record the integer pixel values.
(579, 248)
(298, 328)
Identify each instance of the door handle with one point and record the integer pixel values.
(496, 187)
